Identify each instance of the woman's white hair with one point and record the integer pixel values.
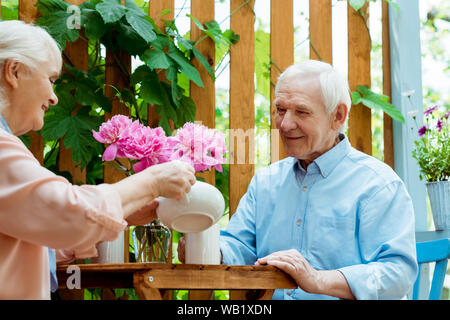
(333, 85)
(28, 44)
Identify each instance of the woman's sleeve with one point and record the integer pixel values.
(42, 208)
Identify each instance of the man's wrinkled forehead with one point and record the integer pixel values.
(301, 83)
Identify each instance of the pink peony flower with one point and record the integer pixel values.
(203, 148)
(110, 132)
(150, 146)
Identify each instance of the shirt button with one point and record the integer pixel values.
(325, 173)
(289, 292)
(304, 188)
(299, 222)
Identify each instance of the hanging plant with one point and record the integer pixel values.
(107, 24)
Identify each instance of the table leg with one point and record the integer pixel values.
(144, 291)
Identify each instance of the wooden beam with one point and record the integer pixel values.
(77, 52)
(388, 131)
(29, 13)
(204, 98)
(359, 123)
(242, 106)
(282, 56)
(155, 11)
(320, 31)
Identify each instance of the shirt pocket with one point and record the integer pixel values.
(334, 243)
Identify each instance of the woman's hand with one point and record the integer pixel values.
(173, 179)
(144, 215)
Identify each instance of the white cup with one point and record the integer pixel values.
(203, 247)
(111, 251)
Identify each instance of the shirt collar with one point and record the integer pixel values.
(329, 160)
(4, 124)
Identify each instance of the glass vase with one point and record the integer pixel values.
(152, 242)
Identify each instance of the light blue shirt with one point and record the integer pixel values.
(347, 212)
(51, 252)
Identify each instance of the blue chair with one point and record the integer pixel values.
(433, 251)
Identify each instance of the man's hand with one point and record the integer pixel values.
(181, 250)
(329, 282)
(144, 215)
(294, 264)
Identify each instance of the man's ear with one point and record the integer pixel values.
(339, 116)
(10, 71)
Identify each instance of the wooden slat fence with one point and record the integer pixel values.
(242, 87)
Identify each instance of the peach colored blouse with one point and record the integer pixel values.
(39, 209)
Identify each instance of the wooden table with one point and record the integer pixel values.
(151, 279)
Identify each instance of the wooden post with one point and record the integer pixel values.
(282, 56)
(388, 131)
(155, 10)
(406, 74)
(320, 31)
(242, 106)
(204, 98)
(359, 123)
(77, 52)
(28, 13)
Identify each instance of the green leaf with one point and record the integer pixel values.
(142, 26)
(129, 39)
(155, 59)
(172, 76)
(232, 37)
(376, 101)
(201, 58)
(186, 111)
(196, 22)
(47, 7)
(185, 66)
(356, 97)
(110, 10)
(150, 90)
(92, 21)
(357, 4)
(56, 25)
(79, 139)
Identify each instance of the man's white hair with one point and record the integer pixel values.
(28, 44)
(333, 85)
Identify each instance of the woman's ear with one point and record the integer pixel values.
(339, 116)
(10, 71)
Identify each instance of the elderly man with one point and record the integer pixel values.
(340, 222)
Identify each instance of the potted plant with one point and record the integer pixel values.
(432, 152)
(143, 146)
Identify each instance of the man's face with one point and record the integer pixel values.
(304, 124)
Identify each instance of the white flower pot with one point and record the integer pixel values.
(200, 209)
(111, 251)
(203, 247)
(439, 194)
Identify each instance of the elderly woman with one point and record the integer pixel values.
(40, 210)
